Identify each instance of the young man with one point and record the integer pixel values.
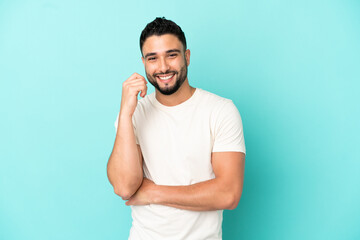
(179, 153)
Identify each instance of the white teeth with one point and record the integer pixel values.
(165, 78)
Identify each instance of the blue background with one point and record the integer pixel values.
(291, 67)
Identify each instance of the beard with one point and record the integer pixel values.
(168, 90)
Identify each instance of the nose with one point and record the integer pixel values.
(163, 65)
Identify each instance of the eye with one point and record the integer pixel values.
(151, 58)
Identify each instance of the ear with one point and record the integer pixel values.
(187, 56)
(143, 60)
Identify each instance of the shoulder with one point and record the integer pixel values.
(221, 109)
(214, 101)
(210, 95)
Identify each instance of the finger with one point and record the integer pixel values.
(141, 79)
(131, 82)
(137, 80)
(139, 86)
(143, 92)
(136, 75)
(134, 88)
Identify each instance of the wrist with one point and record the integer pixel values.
(156, 197)
(125, 115)
(125, 123)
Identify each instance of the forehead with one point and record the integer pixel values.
(163, 43)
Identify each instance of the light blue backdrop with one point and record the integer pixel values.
(291, 67)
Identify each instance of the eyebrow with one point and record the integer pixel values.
(168, 51)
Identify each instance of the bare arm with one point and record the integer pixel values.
(222, 192)
(124, 167)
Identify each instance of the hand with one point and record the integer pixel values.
(144, 195)
(130, 89)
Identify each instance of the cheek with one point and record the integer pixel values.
(178, 64)
(149, 68)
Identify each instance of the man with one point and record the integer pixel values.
(179, 153)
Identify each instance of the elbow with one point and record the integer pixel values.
(232, 205)
(126, 189)
(232, 201)
(125, 194)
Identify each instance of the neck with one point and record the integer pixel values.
(180, 96)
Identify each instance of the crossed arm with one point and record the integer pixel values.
(125, 174)
(222, 192)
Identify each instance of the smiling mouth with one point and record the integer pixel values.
(165, 78)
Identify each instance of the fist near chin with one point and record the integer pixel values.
(130, 90)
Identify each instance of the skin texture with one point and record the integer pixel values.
(164, 55)
(124, 167)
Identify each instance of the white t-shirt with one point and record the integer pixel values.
(176, 143)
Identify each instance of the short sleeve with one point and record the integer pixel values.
(116, 123)
(228, 130)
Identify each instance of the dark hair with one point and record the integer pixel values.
(161, 26)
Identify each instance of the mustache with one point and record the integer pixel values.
(163, 73)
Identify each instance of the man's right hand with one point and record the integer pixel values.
(130, 89)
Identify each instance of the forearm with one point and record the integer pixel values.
(125, 164)
(209, 195)
(222, 192)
